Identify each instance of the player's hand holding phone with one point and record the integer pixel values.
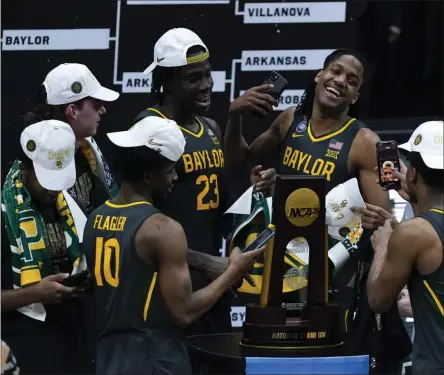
(240, 263)
(51, 290)
(260, 100)
(255, 100)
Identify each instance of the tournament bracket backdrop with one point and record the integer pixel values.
(115, 39)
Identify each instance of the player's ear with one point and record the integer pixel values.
(414, 176)
(318, 76)
(356, 98)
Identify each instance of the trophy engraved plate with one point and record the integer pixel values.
(298, 213)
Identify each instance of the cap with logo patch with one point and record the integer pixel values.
(68, 83)
(172, 47)
(156, 133)
(427, 140)
(50, 144)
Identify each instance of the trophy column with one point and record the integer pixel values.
(298, 211)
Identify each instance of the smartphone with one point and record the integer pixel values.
(260, 240)
(279, 84)
(388, 163)
(79, 279)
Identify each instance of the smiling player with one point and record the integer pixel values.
(182, 85)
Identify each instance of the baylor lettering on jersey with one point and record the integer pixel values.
(196, 200)
(326, 156)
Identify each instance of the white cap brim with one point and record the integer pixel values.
(150, 69)
(105, 94)
(430, 160)
(56, 180)
(405, 146)
(126, 139)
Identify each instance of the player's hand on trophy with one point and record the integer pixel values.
(240, 263)
(264, 181)
(254, 100)
(373, 216)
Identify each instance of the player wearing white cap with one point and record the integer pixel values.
(71, 93)
(40, 247)
(142, 290)
(413, 252)
(182, 85)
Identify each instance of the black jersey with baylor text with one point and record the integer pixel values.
(326, 156)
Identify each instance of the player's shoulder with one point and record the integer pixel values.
(213, 125)
(283, 122)
(159, 228)
(366, 136)
(416, 232)
(145, 113)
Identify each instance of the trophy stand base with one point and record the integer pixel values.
(268, 328)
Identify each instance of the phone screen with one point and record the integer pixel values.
(260, 240)
(388, 163)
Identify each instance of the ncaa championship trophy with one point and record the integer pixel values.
(298, 211)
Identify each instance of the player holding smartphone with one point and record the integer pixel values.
(388, 164)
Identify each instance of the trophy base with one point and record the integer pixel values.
(268, 328)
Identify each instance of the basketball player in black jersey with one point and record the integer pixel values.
(413, 252)
(318, 137)
(182, 85)
(138, 256)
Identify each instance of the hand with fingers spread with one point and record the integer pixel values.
(373, 216)
(264, 180)
(240, 263)
(50, 290)
(255, 100)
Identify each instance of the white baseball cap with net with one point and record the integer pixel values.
(427, 140)
(172, 47)
(50, 144)
(68, 83)
(159, 134)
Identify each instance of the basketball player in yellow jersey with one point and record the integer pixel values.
(318, 137)
(413, 252)
(182, 84)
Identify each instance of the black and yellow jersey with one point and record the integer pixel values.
(427, 299)
(134, 326)
(196, 199)
(304, 154)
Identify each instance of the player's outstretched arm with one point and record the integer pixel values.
(169, 247)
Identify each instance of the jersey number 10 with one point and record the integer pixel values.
(208, 182)
(107, 257)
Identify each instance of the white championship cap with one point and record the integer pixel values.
(50, 145)
(339, 218)
(427, 140)
(172, 47)
(156, 133)
(68, 83)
